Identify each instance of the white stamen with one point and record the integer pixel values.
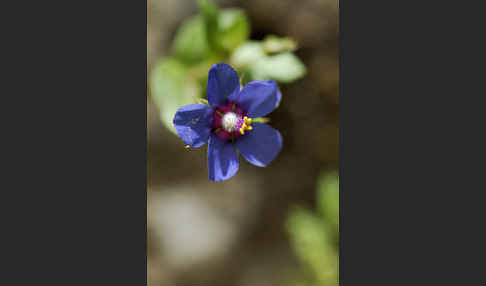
(229, 121)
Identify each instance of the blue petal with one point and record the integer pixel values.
(260, 145)
(193, 124)
(223, 81)
(279, 94)
(258, 98)
(222, 159)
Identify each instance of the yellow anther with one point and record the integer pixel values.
(245, 125)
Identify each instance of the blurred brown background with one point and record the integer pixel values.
(232, 233)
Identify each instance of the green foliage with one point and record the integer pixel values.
(190, 44)
(315, 237)
(285, 67)
(329, 201)
(226, 29)
(274, 44)
(233, 29)
(247, 54)
(282, 67)
(210, 14)
(217, 35)
(171, 89)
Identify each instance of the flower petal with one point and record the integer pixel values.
(258, 98)
(279, 94)
(222, 82)
(193, 124)
(260, 145)
(222, 159)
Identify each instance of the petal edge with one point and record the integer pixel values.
(261, 145)
(258, 98)
(223, 81)
(222, 159)
(193, 124)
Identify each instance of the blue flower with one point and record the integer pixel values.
(228, 122)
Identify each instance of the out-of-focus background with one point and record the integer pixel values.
(265, 226)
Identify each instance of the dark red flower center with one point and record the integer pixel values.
(230, 122)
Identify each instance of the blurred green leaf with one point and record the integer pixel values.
(171, 88)
(246, 54)
(311, 242)
(233, 28)
(226, 29)
(210, 12)
(285, 67)
(274, 44)
(314, 236)
(208, 9)
(191, 44)
(328, 199)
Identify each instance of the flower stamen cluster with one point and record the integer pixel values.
(246, 125)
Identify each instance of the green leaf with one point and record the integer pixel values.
(247, 54)
(171, 88)
(313, 246)
(285, 67)
(314, 238)
(274, 44)
(226, 29)
(328, 199)
(210, 13)
(233, 28)
(207, 8)
(190, 43)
